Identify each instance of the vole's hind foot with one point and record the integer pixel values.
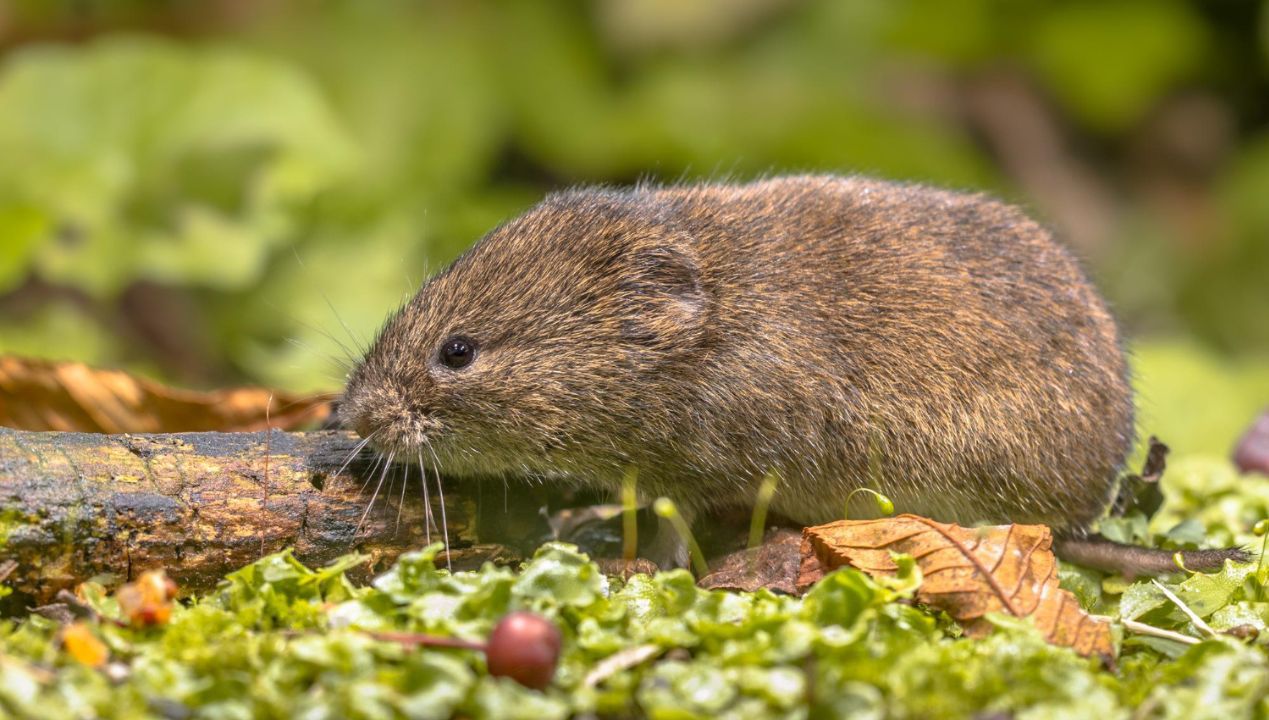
(667, 549)
(1131, 561)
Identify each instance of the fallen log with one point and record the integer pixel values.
(200, 505)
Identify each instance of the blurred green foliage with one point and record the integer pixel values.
(1195, 400)
(222, 190)
(190, 176)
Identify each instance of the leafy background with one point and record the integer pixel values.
(230, 191)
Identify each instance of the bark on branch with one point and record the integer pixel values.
(73, 506)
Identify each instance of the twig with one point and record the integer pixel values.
(1194, 618)
(622, 660)
(417, 639)
(1143, 629)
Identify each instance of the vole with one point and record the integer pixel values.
(941, 348)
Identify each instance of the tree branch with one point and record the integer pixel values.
(75, 505)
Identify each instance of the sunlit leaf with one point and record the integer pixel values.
(967, 572)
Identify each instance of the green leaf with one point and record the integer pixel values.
(434, 685)
(503, 698)
(841, 598)
(559, 576)
(1216, 679)
(1139, 599)
(1242, 613)
(1205, 593)
(1085, 583)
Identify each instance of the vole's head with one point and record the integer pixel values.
(539, 344)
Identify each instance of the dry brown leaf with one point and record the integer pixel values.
(772, 565)
(43, 395)
(969, 572)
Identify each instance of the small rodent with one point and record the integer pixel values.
(939, 347)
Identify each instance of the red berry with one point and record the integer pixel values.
(524, 647)
(1252, 452)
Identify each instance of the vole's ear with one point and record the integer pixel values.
(667, 298)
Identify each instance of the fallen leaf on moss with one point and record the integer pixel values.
(42, 395)
(969, 572)
(83, 645)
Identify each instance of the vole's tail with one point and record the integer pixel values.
(1131, 561)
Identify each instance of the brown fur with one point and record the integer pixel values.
(939, 347)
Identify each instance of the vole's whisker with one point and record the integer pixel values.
(346, 363)
(351, 336)
(405, 480)
(440, 493)
(370, 476)
(427, 502)
(329, 395)
(342, 364)
(392, 484)
(357, 344)
(382, 475)
(352, 454)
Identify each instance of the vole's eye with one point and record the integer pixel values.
(457, 352)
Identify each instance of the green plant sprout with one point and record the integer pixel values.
(629, 516)
(1178, 559)
(884, 504)
(758, 521)
(665, 508)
